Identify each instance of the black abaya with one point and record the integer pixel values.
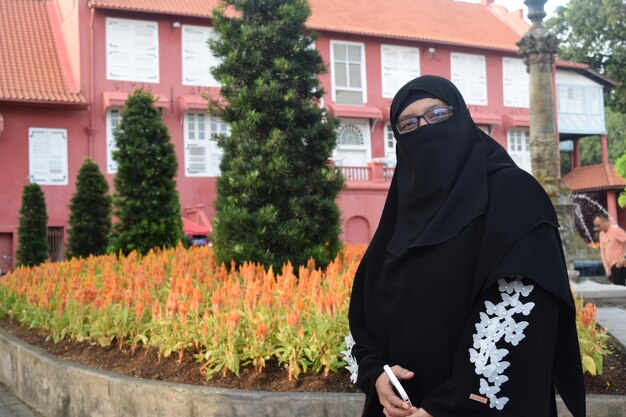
(441, 297)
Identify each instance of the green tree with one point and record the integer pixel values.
(32, 231)
(145, 200)
(594, 32)
(276, 197)
(90, 213)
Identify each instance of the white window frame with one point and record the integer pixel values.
(363, 88)
(44, 146)
(206, 56)
(132, 53)
(459, 76)
(522, 139)
(113, 117)
(515, 86)
(363, 125)
(211, 125)
(390, 151)
(406, 74)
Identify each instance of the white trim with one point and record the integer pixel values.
(517, 92)
(47, 156)
(129, 47)
(206, 56)
(111, 143)
(363, 71)
(466, 81)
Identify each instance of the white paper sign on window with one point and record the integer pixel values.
(399, 66)
(197, 56)
(469, 74)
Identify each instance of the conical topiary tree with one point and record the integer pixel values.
(276, 194)
(32, 231)
(145, 200)
(90, 213)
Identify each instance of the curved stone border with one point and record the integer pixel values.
(58, 388)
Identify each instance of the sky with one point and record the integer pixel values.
(550, 6)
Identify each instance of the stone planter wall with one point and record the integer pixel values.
(58, 388)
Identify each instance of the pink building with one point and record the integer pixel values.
(67, 66)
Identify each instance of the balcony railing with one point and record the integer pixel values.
(374, 171)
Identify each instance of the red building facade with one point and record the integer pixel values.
(60, 98)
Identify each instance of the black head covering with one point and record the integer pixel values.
(442, 168)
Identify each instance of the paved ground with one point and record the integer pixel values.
(614, 319)
(11, 406)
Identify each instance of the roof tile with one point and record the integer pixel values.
(30, 69)
(594, 178)
(438, 21)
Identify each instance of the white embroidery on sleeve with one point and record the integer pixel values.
(353, 367)
(495, 324)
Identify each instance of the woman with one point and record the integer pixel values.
(463, 289)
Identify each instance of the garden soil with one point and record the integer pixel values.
(146, 364)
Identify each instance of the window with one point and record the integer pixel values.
(348, 72)
(132, 50)
(519, 148)
(595, 100)
(56, 245)
(571, 99)
(202, 155)
(516, 83)
(47, 156)
(399, 66)
(197, 56)
(469, 74)
(390, 145)
(113, 119)
(353, 143)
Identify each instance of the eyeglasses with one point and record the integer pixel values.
(436, 115)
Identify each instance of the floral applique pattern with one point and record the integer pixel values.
(495, 324)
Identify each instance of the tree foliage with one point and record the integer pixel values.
(32, 231)
(145, 200)
(594, 32)
(90, 213)
(276, 197)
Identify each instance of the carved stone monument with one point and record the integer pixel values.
(538, 47)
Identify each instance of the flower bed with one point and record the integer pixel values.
(181, 302)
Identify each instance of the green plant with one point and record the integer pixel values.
(592, 339)
(276, 196)
(32, 231)
(146, 201)
(90, 213)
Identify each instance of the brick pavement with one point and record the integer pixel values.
(11, 406)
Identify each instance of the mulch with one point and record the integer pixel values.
(145, 363)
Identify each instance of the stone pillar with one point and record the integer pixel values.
(537, 48)
(576, 154)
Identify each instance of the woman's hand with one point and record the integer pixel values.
(393, 405)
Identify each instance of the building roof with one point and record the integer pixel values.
(436, 21)
(587, 71)
(593, 178)
(30, 68)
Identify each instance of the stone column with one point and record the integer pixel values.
(538, 47)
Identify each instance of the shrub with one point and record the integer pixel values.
(145, 201)
(90, 213)
(33, 227)
(276, 196)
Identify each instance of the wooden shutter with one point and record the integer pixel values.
(119, 33)
(48, 156)
(196, 151)
(146, 51)
(197, 56)
(469, 74)
(113, 119)
(399, 66)
(515, 83)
